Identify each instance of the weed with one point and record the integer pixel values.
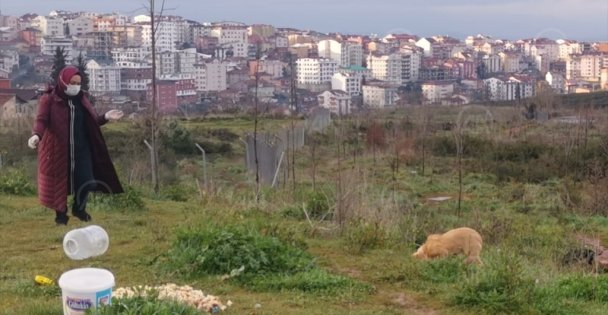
(361, 236)
(149, 305)
(129, 200)
(16, 183)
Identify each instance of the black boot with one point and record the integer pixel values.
(61, 218)
(83, 215)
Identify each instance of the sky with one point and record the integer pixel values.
(585, 20)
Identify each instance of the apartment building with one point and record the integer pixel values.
(338, 102)
(315, 70)
(350, 83)
(377, 94)
(104, 78)
(397, 68)
(435, 92)
(232, 36)
(344, 53)
(211, 75)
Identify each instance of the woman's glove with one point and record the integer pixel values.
(33, 141)
(113, 114)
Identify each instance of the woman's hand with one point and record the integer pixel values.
(33, 141)
(114, 114)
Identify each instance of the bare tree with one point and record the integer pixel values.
(154, 118)
(462, 121)
(255, 126)
(294, 107)
(426, 116)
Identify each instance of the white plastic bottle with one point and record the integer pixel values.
(86, 242)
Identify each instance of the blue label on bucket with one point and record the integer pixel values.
(78, 304)
(104, 297)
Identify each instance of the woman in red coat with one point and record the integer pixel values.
(72, 155)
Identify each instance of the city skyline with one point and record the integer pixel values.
(585, 20)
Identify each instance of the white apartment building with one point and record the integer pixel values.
(436, 92)
(338, 102)
(80, 26)
(573, 67)
(567, 48)
(281, 41)
(169, 35)
(549, 49)
(185, 60)
(379, 95)
(492, 63)
(509, 89)
(315, 70)
(49, 26)
(496, 89)
(211, 76)
(397, 68)
(135, 81)
(177, 62)
(557, 82)
(104, 78)
(591, 66)
(272, 67)
(344, 53)
(426, 45)
(510, 61)
(166, 63)
(48, 46)
(131, 56)
(347, 82)
(586, 67)
(232, 36)
(8, 34)
(9, 60)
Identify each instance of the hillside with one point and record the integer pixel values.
(337, 236)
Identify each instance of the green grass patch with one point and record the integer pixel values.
(149, 305)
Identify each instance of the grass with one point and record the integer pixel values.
(298, 266)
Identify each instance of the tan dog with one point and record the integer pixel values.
(462, 240)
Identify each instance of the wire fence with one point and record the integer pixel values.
(272, 149)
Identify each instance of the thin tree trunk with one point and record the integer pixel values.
(154, 115)
(255, 130)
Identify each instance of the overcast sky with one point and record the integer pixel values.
(509, 19)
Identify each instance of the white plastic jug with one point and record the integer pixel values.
(86, 242)
(85, 288)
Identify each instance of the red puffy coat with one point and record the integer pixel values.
(52, 126)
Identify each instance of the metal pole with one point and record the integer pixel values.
(246, 153)
(204, 164)
(276, 173)
(151, 160)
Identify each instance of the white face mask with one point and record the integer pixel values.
(72, 90)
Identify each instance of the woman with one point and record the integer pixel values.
(73, 158)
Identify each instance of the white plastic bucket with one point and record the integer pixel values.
(85, 288)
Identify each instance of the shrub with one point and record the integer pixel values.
(583, 287)
(178, 192)
(15, 182)
(518, 152)
(317, 205)
(129, 200)
(499, 288)
(361, 236)
(221, 251)
(443, 270)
